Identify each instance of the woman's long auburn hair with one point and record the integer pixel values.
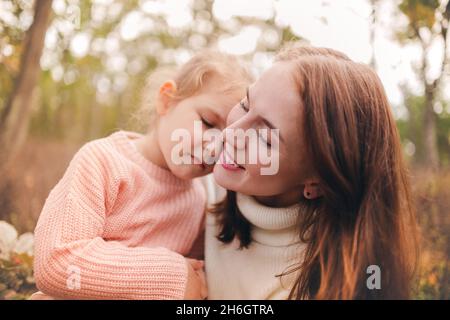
(365, 216)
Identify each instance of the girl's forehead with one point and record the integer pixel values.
(218, 97)
(218, 102)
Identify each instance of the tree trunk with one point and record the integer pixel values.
(429, 129)
(14, 118)
(431, 156)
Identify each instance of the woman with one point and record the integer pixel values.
(339, 202)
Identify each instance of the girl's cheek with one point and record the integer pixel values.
(196, 142)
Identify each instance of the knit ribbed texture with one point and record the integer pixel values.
(251, 273)
(270, 226)
(116, 226)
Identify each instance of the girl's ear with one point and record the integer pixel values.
(165, 93)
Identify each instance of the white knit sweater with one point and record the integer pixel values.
(234, 273)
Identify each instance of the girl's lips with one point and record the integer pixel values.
(197, 162)
(228, 163)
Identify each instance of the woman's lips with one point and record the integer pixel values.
(228, 163)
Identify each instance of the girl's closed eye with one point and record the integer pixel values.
(206, 122)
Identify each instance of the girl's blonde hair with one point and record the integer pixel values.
(191, 77)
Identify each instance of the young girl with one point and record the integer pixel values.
(338, 210)
(124, 215)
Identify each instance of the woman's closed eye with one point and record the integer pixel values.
(264, 135)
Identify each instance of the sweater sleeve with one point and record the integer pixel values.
(198, 248)
(73, 261)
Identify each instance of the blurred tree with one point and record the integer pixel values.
(95, 60)
(374, 4)
(87, 93)
(411, 128)
(15, 115)
(428, 21)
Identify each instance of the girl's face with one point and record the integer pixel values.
(180, 123)
(273, 102)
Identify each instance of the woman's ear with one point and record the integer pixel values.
(165, 94)
(312, 190)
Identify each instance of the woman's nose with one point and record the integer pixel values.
(234, 136)
(234, 133)
(242, 122)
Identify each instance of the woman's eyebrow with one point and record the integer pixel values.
(248, 96)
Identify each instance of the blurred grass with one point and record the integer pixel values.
(16, 277)
(38, 167)
(42, 162)
(432, 199)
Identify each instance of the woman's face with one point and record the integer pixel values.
(273, 102)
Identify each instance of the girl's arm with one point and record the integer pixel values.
(73, 261)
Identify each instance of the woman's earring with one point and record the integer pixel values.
(312, 191)
(307, 194)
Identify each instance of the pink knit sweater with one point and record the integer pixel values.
(117, 226)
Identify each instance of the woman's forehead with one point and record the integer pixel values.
(276, 86)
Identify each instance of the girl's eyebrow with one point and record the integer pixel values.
(212, 113)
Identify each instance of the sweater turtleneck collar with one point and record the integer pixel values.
(270, 225)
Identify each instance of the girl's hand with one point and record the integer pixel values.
(196, 283)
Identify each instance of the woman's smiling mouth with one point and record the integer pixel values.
(228, 163)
